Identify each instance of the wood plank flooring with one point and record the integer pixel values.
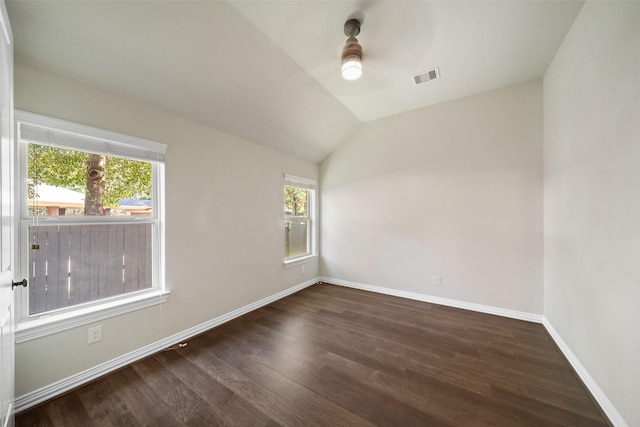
(334, 356)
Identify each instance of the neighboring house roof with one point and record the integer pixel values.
(135, 203)
(135, 206)
(49, 195)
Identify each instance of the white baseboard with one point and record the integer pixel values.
(514, 314)
(50, 391)
(587, 379)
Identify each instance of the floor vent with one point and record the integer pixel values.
(427, 76)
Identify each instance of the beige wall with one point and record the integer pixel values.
(213, 182)
(592, 197)
(453, 190)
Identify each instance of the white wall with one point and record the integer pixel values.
(453, 190)
(592, 198)
(224, 230)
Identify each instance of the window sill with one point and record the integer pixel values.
(301, 260)
(50, 324)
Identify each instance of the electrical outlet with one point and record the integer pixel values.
(437, 281)
(95, 334)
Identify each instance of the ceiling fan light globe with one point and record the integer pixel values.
(351, 68)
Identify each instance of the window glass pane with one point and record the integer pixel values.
(76, 264)
(296, 201)
(76, 183)
(297, 242)
(85, 256)
(297, 221)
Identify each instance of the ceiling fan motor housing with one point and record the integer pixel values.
(352, 27)
(352, 47)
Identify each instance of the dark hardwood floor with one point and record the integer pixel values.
(336, 356)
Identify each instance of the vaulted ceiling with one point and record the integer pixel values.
(268, 71)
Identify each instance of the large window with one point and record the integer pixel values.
(91, 216)
(299, 218)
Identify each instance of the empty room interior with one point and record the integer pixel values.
(358, 212)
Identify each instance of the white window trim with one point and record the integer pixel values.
(32, 327)
(292, 262)
(82, 315)
(309, 184)
(298, 181)
(112, 143)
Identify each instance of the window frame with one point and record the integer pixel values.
(42, 324)
(312, 186)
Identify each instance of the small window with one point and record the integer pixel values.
(91, 215)
(299, 219)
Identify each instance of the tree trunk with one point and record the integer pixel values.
(95, 185)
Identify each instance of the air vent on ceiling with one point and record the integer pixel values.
(427, 76)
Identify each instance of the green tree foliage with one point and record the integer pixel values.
(60, 167)
(296, 201)
(127, 179)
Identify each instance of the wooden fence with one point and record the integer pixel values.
(82, 263)
(296, 236)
